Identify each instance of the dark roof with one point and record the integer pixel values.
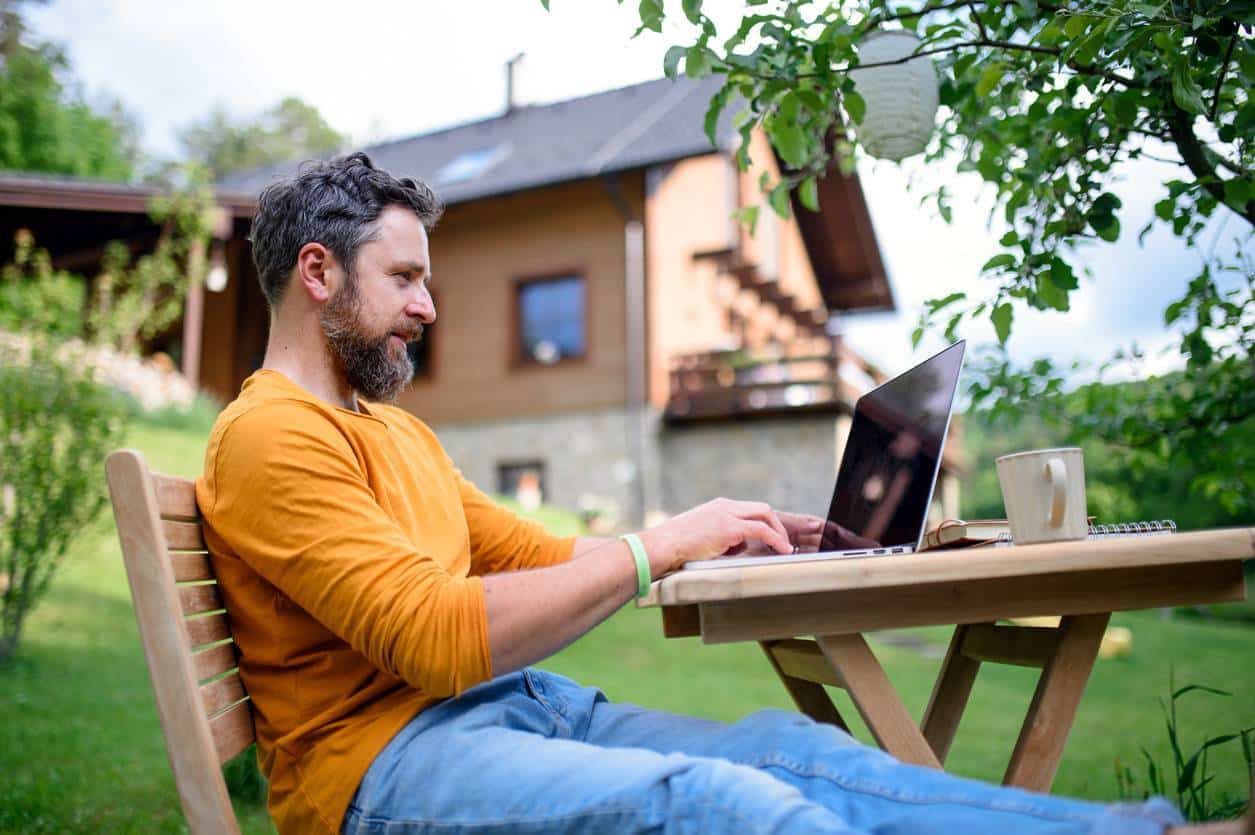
(541, 145)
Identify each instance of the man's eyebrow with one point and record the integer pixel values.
(408, 267)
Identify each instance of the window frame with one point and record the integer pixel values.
(518, 359)
(540, 465)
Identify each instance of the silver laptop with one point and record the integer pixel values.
(889, 469)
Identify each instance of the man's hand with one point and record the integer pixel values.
(712, 529)
(805, 533)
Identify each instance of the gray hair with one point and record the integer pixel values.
(335, 203)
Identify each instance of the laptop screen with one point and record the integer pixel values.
(892, 456)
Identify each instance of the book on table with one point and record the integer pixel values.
(960, 533)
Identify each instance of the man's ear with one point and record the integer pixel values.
(315, 271)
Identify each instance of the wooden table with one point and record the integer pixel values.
(837, 601)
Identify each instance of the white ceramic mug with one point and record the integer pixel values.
(1044, 493)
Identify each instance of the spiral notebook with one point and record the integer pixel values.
(1121, 529)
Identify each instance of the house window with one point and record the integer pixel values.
(420, 355)
(523, 481)
(551, 320)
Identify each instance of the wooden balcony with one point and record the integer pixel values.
(742, 384)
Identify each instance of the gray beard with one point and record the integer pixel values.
(367, 363)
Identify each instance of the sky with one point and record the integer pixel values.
(378, 69)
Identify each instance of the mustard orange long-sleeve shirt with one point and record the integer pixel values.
(348, 549)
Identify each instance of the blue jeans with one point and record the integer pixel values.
(534, 752)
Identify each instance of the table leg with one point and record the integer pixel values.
(877, 702)
(950, 695)
(1045, 731)
(809, 696)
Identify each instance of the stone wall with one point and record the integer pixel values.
(788, 462)
(585, 455)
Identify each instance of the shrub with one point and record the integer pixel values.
(56, 426)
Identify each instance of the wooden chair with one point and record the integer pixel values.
(205, 714)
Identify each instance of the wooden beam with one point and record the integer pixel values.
(1058, 695)
(877, 702)
(810, 697)
(681, 621)
(1023, 646)
(950, 695)
(864, 609)
(804, 660)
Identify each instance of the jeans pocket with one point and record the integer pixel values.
(536, 689)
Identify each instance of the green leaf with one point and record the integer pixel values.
(1107, 227)
(989, 78)
(1061, 274)
(1001, 317)
(1185, 92)
(748, 215)
(1051, 294)
(779, 199)
(711, 123)
(1076, 25)
(651, 15)
(786, 136)
(545, 4)
(937, 304)
(671, 61)
(854, 106)
(697, 62)
(693, 10)
(808, 193)
(1004, 259)
(916, 336)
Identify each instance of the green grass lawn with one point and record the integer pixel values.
(81, 749)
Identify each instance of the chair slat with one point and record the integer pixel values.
(215, 661)
(189, 567)
(176, 497)
(197, 599)
(233, 730)
(223, 692)
(194, 743)
(206, 630)
(183, 536)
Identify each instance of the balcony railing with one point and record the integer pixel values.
(718, 384)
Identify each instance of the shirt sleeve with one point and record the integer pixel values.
(501, 540)
(296, 507)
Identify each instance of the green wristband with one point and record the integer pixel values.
(643, 575)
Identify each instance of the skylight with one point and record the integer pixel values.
(471, 164)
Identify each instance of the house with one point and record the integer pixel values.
(609, 337)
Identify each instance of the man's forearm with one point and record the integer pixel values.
(587, 544)
(533, 614)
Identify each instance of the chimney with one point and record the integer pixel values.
(512, 74)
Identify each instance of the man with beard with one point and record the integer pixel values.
(386, 610)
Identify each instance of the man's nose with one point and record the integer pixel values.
(422, 306)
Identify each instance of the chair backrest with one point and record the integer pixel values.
(205, 714)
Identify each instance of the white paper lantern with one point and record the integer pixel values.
(901, 98)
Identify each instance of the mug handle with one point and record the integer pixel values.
(1057, 474)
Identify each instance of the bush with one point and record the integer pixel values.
(56, 426)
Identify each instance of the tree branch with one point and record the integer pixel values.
(1224, 67)
(992, 44)
(1180, 125)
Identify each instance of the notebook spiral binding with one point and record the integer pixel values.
(1152, 528)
